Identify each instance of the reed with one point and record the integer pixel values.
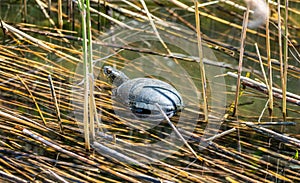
(200, 61)
(92, 110)
(59, 14)
(285, 59)
(24, 11)
(86, 88)
(242, 47)
(53, 94)
(270, 73)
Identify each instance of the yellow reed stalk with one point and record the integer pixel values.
(33, 98)
(200, 61)
(285, 61)
(269, 67)
(25, 11)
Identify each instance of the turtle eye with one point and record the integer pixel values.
(108, 71)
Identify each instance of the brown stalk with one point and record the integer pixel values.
(53, 93)
(200, 61)
(243, 37)
(60, 19)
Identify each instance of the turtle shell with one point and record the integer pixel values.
(141, 94)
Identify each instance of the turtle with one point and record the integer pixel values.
(141, 95)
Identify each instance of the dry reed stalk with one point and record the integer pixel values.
(33, 98)
(293, 98)
(59, 14)
(269, 87)
(241, 56)
(220, 135)
(24, 18)
(118, 155)
(53, 93)
(178, 133)
(270, 100)
(270, 74)
(200, 62)
(39, 28)
(155, 30)
(72, 15)
(285, 60)
(242, 43)
(92, 107)
(57, 176)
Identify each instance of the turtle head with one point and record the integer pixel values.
(116, 77)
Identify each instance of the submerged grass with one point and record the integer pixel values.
(31, 150)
